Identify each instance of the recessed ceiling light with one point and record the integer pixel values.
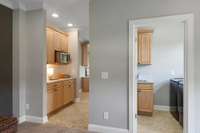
(70, 25)
(55, 15)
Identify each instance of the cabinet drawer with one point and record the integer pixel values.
(55, 85)
(68, 83)
(145, 86)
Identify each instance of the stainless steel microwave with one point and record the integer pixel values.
(62, 57)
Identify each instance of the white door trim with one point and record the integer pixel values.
(132, 78)
(189, 107)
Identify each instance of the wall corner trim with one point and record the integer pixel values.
(105, 129)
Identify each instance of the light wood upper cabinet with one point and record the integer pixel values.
(144, 46)
(56, 41)
(64, 43)
(50, 46)
(145, 99)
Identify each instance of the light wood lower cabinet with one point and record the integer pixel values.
(85, 54)
(60, 94)
(145, 99)
(69, 91)
(85, 84)
(51, 100)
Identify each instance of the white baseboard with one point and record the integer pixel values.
(45, 119)
(164, 108)
(78, 99)
(105, 129)
(33, 119)
(21, 119)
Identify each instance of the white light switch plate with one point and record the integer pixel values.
(104, 75)
(105, 115)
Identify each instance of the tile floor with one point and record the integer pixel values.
(75, 117)
(161, 122)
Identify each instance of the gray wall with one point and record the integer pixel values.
(167, 59)
(19, 63)
(29, 64)
(109, 52)
(36, 62)
(6, 61)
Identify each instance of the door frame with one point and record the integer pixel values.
(189, 106)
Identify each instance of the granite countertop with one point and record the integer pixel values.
(85, 77)
(145, 82)
(58, 80)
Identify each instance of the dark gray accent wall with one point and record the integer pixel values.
(5, 61)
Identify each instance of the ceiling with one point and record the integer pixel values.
(70, 11)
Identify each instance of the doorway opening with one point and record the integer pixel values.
(67, 79)
(160, 74)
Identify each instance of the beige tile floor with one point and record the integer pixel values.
(76, 116)
(161, 122)
(73, 116)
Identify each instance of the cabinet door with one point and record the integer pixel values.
(66, 94)
(85, 84)
(85, 55)
(69, 91)
(64, 43)
(58, 41)
(59, 97)
(50, 46)
(51, 100)
(145, 101)
(72, 89)
(144, 48)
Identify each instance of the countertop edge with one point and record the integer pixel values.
(59, 80)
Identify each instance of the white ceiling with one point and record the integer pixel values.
(70, 11)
